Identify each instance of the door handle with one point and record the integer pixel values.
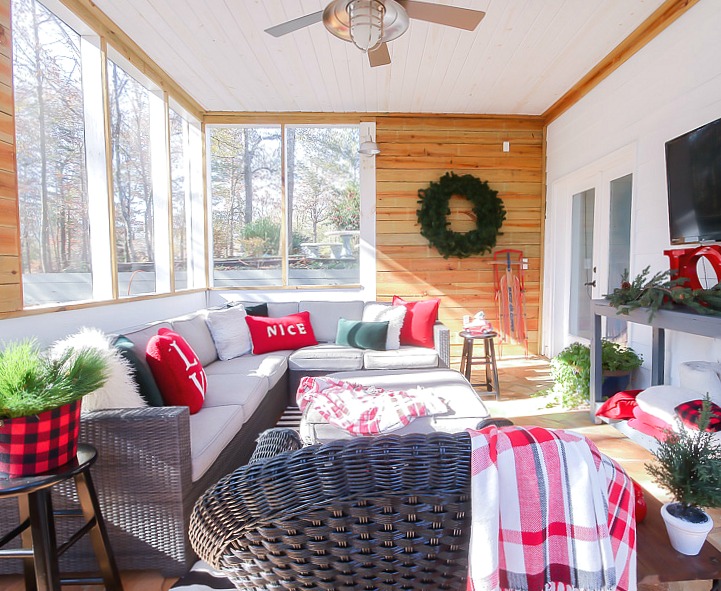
(591, 283)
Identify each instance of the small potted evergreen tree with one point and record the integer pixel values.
(688, 466)
(36, 388)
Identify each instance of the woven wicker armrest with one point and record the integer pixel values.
(272, 442)
(442, 343)
(318, 492)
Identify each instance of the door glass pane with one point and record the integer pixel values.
(619, 246)
(581, 263)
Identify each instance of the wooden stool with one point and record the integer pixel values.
(488, 360)
(40, 551)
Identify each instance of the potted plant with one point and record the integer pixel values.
(571, 371)
(40, 400)
(688, 466)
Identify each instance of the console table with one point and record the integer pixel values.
(698, 324)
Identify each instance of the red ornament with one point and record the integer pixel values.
(641, 507)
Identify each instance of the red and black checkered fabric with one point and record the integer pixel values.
(35, 444)
(690, 413)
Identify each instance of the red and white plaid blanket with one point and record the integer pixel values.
(366, 410)
(549, 513)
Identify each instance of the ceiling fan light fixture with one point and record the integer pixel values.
(366, 23)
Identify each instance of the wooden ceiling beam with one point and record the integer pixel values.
(662, 17)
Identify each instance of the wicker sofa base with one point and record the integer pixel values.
(143, 479)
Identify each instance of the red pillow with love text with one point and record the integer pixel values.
(177, 370)
(418, 323)
(275, 334)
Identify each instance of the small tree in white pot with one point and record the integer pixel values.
(688, 466)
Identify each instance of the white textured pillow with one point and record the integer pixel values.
(120, 390)
(230, 332)
(374, 312)
(661, 401)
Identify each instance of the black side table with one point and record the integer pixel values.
(40, 550)
(488, 360)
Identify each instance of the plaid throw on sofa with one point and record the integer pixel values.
(366, 410)
(549, 512)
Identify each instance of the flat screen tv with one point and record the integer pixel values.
(693, 174)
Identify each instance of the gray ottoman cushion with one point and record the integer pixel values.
(466, 406)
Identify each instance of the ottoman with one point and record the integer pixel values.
(466, 409)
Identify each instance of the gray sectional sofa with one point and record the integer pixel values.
(155, 462)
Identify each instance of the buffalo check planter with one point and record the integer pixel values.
(35, 444)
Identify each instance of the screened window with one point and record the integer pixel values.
(52, 181)
(246, 205)
(306, 232)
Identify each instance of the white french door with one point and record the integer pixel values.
(588, 245)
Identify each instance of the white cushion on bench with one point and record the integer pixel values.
(403, 358)
(235, 390)
(268, 365)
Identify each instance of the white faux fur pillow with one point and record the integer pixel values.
(120, 391)
(230, 332)
(375, 312)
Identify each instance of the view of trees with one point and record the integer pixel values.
(50, 142)
(322, 189)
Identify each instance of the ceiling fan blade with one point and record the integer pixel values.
(295, 24)
(460, 18)
(379, 56)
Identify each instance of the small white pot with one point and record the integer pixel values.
(686, 537)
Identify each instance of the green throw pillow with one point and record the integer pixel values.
(363, 335)
(141, 372)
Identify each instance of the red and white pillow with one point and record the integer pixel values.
(177, 370)
(418, 322)
(276, 334)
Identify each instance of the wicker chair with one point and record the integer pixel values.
(385, 512)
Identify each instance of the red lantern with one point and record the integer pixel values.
(641, 507)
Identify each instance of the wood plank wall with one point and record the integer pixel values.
(10, 276)
(418, 149)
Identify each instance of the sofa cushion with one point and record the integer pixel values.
(141, 336)
(278, 309)
(403, 358)
(210, 432)
(140, 371)
(229, 331)
(378, 312)
(364, 335)
(268, 365)
(233, 390)
(275, 334)
(194, 330)
(177, 370)
(324, 316)
(418, 323)
(326, 357)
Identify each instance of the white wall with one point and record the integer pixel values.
(112, 318)
(671, 86)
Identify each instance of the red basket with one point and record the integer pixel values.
(35, 444)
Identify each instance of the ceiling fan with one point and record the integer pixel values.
(370, 24)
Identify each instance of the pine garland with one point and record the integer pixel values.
(661, 292)
(435, 227)
(31, 383)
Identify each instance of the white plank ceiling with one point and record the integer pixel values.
(524, 55)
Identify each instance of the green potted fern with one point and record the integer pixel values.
(571, 371)
(40, 404)
(688, 465)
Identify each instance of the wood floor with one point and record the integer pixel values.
(520, 377)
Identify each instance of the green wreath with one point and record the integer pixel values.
(435, 227)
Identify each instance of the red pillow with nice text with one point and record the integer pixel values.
(177, 370)
(418, 323)
(275, 334)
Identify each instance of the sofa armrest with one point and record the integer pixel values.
(442, 343)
